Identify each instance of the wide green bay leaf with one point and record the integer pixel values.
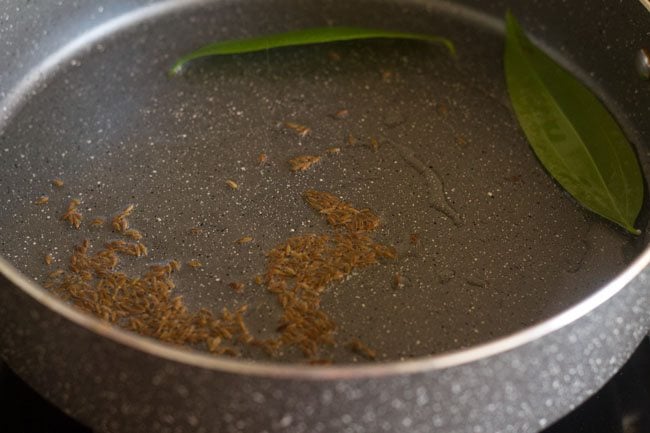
(571, 132)
(317, 35)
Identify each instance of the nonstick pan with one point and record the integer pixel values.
(513, 303)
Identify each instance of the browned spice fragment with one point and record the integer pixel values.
(301, 130)
(259, 280)
(57, 182)
(196, 230)
(262, 158)
(244, 334)
(352, 140)
(55, 274)
(135, 249)
(119, 222)
(232, 184)
(244, 240)
(334, 56)
(398, 281)
(304, 162)
(340, 213)
(333, 150)
(321, 361)
(230, 351)
(461, 141)
(442, 109)
(237, 286)
(48, 259)
(342, 114)
(72, 215)
(360, 348)
(133, 234)
(42, 200)
(194, 264)
(374, 144)
(414, 238)
(96, 222)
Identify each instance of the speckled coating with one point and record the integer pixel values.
(452, 170)
(112, 128)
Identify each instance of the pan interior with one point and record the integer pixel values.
(118, 130)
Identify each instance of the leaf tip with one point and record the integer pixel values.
(629, 227)
(176, 69)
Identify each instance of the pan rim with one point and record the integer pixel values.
(278, 370)
(269, 369)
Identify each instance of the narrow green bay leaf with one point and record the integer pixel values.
(571, 132)
(317, 35)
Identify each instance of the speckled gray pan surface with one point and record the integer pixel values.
(513, 250)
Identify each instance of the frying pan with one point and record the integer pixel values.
(506, 319)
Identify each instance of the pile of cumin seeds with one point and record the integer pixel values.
(300, 270)
(144, 304)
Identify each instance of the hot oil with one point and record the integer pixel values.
(486, 243)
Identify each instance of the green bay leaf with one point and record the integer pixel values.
(571, 132)
(310, 36)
